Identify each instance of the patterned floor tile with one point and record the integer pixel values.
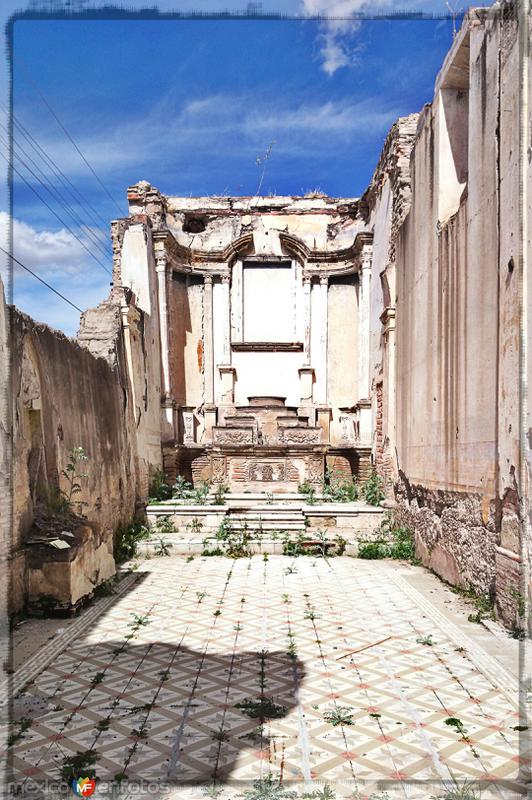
(308, 672)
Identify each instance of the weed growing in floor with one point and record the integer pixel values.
(483, 605)
(427, 640)
(163, 548)
(164, 525)
(373, 492)
(80, 764)
(212, 791)
(340, 715)
(465, 791)
(138, 621)
(397, 542)
(103, 725)
(268, 788)
(457, 724)
(220, 735)
(309, 492)
(262, 708)
(290, 570)
(23, 725)
(269, 498)
(219, 495)
(128, 539)
(200, 493)
(200, 596)
(98, 678)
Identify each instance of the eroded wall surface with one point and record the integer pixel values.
(454, 290)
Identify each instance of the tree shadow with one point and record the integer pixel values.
(156, 711)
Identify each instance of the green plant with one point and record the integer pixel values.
(80, 764)
(23, 725)
(519, 601)
(373, 492)
(427, 640)
(200, 493)
(457, 724)
(164, 525)
(269, 498)
(268, 788)
(339, 487)
(371, 550)
(159, 489)
(464, 791)
(220, 735)
(340, 715)
(195, 525)
(55, 503)
(341, 544)
(138, 621)
(482, 603)
(103, 724)
(219, 495)
(262, 708)
(309, 492)
(181, 488)
(97, 678)
(127, 540)
(76, 456)
(163, 548)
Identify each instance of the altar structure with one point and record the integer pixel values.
(263, 332)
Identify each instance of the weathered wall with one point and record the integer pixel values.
(100, 393)
(454, 291)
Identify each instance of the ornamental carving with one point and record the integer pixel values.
(233, 436)
(218, 470)
(267, 471)
(300, 435)
(314, 469)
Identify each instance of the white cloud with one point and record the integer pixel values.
(51, 251)
(337, 44)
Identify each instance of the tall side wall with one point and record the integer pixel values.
(457, 306)
(101, 393)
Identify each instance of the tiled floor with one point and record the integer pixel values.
(152, 688)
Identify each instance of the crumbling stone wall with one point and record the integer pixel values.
(446, 347)
(68, 394)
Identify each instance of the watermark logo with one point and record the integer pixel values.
(83, 787)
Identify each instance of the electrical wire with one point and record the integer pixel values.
(48, 286)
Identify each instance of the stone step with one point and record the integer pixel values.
(196, 547)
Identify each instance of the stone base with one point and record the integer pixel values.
(61, 580)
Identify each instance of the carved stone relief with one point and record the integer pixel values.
(299, 435)
(233, 436)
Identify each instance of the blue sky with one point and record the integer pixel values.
(189, 106)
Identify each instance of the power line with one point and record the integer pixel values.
(62, 296)
(65, 131)
(56, 195)
(49, 207)
(67, 183)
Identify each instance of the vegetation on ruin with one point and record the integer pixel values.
(483, 604)
(128, 539)
(373, 489)
(159, 489)
(396, 541)
(339, 487)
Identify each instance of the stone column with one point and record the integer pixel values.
(167, 405)
(321, 323)
(208, 359)
(226, 320)
(306, 317)
(363, 326)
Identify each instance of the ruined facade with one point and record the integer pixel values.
(259, 341)
(263, 308)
